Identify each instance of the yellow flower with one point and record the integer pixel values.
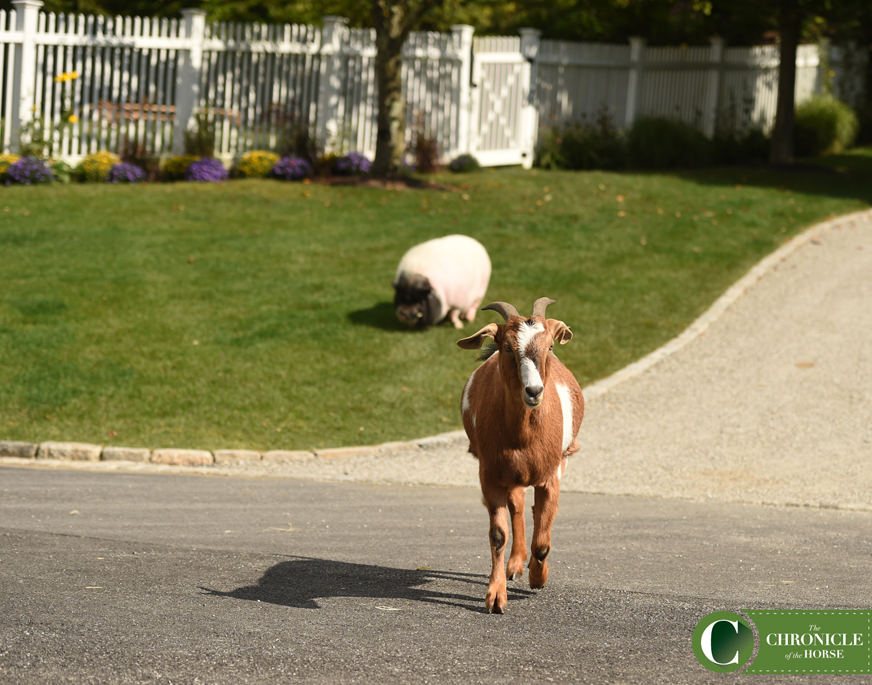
(73, 119)
(74, 75)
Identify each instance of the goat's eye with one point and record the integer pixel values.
(508, 349)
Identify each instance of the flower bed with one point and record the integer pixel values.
(28, 171)
(292, 169)
(206, 170)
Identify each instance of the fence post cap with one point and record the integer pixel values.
(191, 12)
(36, 4)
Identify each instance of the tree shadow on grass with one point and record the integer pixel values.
(847, 176)
(303, 580)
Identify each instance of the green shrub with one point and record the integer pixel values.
(95, 167)
(749, 147)
(256, 164)
(62, 171)
(465, 163)
(657, 143)
(175, 167)
(824, 126)
(583, 146)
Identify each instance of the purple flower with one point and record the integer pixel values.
(352, 163)
(29, 170)
(206, 170)
(291, 169)
(125, 172)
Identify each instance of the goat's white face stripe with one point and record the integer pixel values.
(526, 333)
(529, 374)
(566, 406)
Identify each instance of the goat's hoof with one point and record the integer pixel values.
(496, 601)
(515, 571)
(538, 575)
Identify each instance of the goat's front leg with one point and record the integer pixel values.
(495, 501)
(544, 512)
(515, 568)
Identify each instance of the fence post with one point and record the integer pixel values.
(462, 35)
(188, 75)
(713, 87)
(329, 81)
(530, 39)
(24, 78)
(634, 82)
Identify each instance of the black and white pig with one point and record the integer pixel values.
(442, 277)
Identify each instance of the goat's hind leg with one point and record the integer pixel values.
(515, 567)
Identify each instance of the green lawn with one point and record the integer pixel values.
(257, 314)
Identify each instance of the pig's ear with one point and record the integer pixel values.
(559, 331)
(474, 342)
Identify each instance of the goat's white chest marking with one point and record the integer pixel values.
(566, 406)
(464, 404)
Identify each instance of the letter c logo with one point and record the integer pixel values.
(706, 642)
(723, 641)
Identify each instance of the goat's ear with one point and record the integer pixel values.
(474, 342)
(559, 331)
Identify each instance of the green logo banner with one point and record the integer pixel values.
(812, 641)
(800, 641)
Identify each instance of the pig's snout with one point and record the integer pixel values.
(408, 316)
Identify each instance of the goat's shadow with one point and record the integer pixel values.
(302, 580)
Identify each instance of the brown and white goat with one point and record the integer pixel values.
(522, 409)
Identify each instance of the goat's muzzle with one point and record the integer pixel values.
(533, 396)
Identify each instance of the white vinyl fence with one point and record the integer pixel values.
(144, 82)
(708, 87)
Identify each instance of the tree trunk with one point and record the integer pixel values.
(392, 25)
(790, 21)
(390, 144)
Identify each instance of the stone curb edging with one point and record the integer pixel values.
(74, 451)
(86, 452)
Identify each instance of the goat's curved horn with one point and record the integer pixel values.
(540, 305)
(504, 309)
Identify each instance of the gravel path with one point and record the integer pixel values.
(771, 404)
